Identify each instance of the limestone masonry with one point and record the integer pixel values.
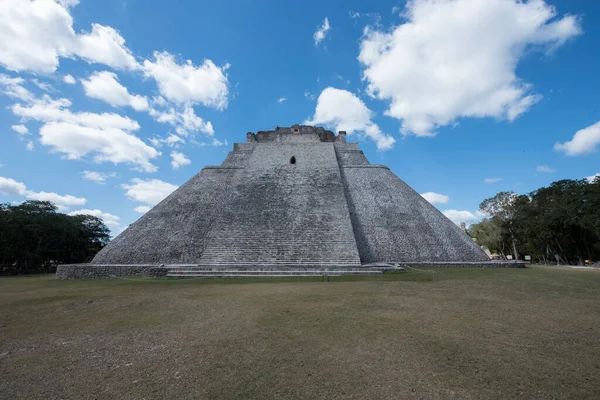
(294, 198)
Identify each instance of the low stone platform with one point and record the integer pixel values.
(100, 271)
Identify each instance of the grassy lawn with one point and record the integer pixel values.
(472, 333)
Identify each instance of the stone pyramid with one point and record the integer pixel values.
(298, 197)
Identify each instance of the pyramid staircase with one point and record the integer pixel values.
(199, 271)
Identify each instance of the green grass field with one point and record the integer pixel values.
(472, 333)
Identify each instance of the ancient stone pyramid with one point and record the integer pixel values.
(298, 197)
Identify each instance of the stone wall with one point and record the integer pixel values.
(91, 271)
(393, 223)
(283, 213)
(174, 231)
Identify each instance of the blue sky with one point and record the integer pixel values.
(107, 106)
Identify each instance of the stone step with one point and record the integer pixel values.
(246, 274)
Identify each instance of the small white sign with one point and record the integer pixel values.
(527, 258)
(509, 257)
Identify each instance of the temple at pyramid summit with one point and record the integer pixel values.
(298, 199)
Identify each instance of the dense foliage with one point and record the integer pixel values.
(560, 222)
(34, 237)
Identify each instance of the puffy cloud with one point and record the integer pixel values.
(106, 87)
(29, 146)
(492, 180)
(545, 168)
(184, 119)
(344, 111)
(11, 187)
(108, 144)
(584, 141)
(13, 87)
(435, 198)
(281, 99)
(457, 216)
(150, 191)
(97, 177)
(60, 200)
(35, 34)
(109, 219)
(68, 79)
(108, 136)
(171, 141)
(142, 209)
(179, 160)
(187, 83)
(50, 110)
(592, 178)
(321, 31)
(20, 129)
(453, 59)
(105, 45)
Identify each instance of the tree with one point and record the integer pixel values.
(561, 221)
(33, 237)
(502, 208)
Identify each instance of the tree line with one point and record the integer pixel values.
(558, 223)
(34, 237)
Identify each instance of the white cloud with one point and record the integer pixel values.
(453, 59)
(36, 34)
(545, 168)
(68, 79)
(108, 136)
(46, 87)
(492, 180)
(11, 187)
(457, 216)
(309, 95)
(109, 144)
(105, 45)
(20, 129)
(109, 219)
(142, 209)
(584, 141)
(435, 198)
(97, 177)
(321, 31)
(171, 141)
(184, 119)
(60, 200)
(12, 87)
(29, 146)
(281, 99)
(150, 191)
(50, 110)
(159, 101)
(346, 112)
(186, 83)
(591, 178)
(105, 86)
(179, 160)
(68, 3)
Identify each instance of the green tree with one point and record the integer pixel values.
(559, 222)
(33, 237)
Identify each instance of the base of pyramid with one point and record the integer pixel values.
(100, 271)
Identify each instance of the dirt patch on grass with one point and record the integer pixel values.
(485, 334)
